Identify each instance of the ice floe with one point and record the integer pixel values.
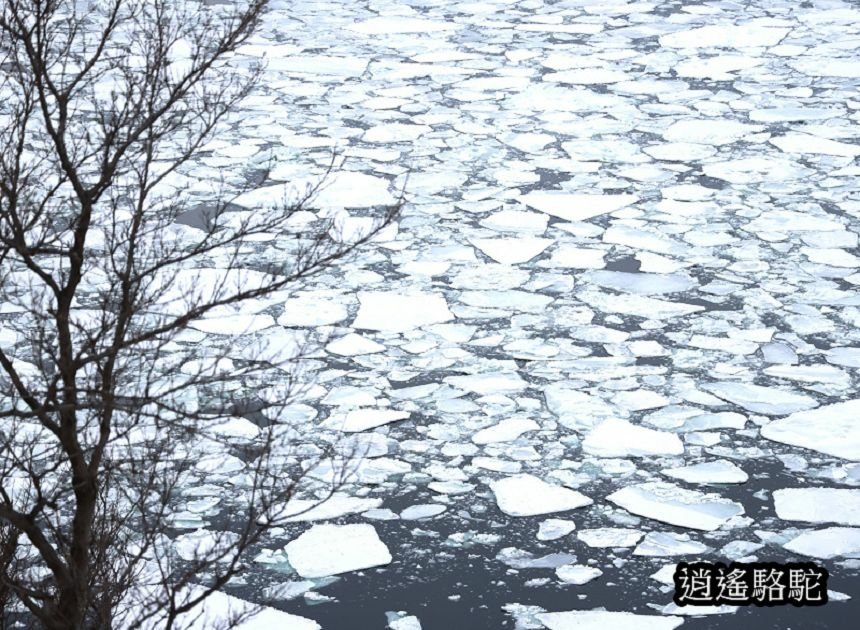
(831, 429)
(619, 438)
(527, 495)
(767, 400)
(577, 573)
(826, 543)
(818, 505)
(717, 471)
(325, 550)
(675, 505)
(395, 312)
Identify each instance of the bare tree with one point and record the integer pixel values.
(107, 411)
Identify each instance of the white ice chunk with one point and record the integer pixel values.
(718, 471)
(679, 151)
(835, 67)
(643, 239)
(576, 408)
(807, 143)
(203, 543)
(352, 345)
(327, 549)
(609, 537)
(511, 251)
(409, 622)
(522, 301)
(831, 256)
(843, 355)
(555, 528)
(767, 400)
(811, 374)
(363, 419)
(794, 113)
(639, 399)
(422, 511)
(668, 544)
(516, 221)
(827, 543)
(818, 505)
(756, 169)
(641, 283)
(574, 206)
(672, 504)
(619, 438)
(344, 189)
(489, 383)
(527, 495)
(507, 430)
(219, 607)
(313, 310)
(640, 305)
(792, 221)
(577, 573)
(396, 312)
(718, 68)
(709, 131)
(604, 620)
(568, 255)
(726, 36)
(832, 429)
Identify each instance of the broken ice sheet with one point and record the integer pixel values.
(669, 544)
(818, 505)
(364, 419)
(827, 543)
(505, 431)
(331, 549)
(577, 573)
(675, 505)
(831, 429)
(620, 438)
(395, 312)
(527, 495)
(766, 400)
(610, 537)
(554, 528)
(717, 471)
(512, 250)
(576, 206)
